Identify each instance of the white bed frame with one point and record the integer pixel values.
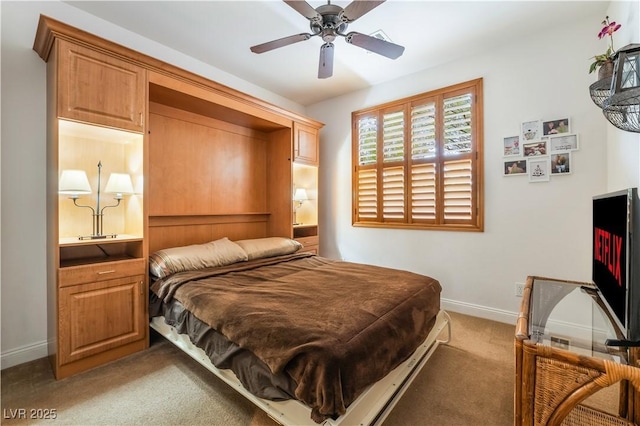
(371, 408)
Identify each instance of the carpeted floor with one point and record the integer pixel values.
(467, 382)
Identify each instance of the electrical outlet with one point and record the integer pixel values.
(519, 289)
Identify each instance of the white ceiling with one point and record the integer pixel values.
(220, 33)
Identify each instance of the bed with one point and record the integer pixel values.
(306, 338)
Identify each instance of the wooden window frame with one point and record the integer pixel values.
(475, 221)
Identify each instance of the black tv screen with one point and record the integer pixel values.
(615, 262)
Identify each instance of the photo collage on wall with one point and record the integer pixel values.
(541, 150)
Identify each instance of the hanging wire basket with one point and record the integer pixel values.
(623, 110)
(600, 91)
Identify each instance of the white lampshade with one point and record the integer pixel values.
(119, 183)
(300, 194)
(74, 182)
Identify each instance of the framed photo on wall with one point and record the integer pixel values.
(535, 149)
(563, 143)
(556, 127)
(516, 167)
(561, 163)
(511, 146)
(531, 130)
(539, 169)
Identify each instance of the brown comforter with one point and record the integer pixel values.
(335, 327)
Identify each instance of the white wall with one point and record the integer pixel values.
(22, 277)
(530, 228)
(623, 148)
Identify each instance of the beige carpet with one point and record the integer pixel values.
(467, 382)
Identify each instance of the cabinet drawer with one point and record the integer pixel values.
(100, 272)
(309, 244)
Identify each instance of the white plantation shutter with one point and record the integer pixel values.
(393, 177)
(457, 124)
(458, 203)
(423, 192)
(367, 140)
(393, 193)
(423, 131)
(367, 194)
(367, 180)
(393, 136)
(418, 161)
(458, 175)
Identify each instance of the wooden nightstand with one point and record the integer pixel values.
(100, 303)
(307, 235)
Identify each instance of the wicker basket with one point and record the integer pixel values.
(583, 415)
(555, 380)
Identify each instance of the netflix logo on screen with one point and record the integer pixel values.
(615, 268)
(607, 248)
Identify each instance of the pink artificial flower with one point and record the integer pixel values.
(613, 28)
(609, 29)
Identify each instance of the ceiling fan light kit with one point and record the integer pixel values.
(330, 21)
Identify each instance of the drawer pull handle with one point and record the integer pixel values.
(107, 272)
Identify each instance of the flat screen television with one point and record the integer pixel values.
(616, 257)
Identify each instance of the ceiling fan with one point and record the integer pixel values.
(329, 21)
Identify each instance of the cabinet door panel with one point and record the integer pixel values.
(100, 316)
(100, 89)
(305, 144)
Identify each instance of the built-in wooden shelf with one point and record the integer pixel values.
(300, 231)
(77, 241)
(74, 252)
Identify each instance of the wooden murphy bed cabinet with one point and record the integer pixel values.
(206, 162)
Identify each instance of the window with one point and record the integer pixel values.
(417, 162)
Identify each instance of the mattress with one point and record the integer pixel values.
(321, 330)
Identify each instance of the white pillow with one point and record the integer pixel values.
(198, 256)
(269, 247)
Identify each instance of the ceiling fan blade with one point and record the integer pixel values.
(357, 8)
(304, 9)
(375, 45)
(325, 67)
(281, 42)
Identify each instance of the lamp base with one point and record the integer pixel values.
(97, 237)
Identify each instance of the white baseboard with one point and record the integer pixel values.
(480, 311)
(579, 336)
(23, 354)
